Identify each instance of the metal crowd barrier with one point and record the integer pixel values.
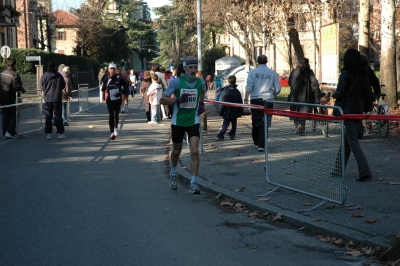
(309, 161)
(29, 110)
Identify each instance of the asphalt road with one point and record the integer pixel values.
(87, 200)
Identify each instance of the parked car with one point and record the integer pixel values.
(284, 79)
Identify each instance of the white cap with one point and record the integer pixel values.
(112, 66)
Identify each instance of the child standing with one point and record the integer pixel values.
(230, 114)
(155, 92)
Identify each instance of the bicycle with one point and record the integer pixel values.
(378, 109)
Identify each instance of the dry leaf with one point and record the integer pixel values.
(330, 207)
(371, 221)
(354, 253)
(354, 208)
(317, 219)
(277, 217)
(357, 215)
(382, 179)
(228, 202)
(263, 199)
(242, 189)
(253, 215)
(393, 183)
(340, 243)
(302, 228)
(309, 204)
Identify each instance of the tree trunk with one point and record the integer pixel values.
(388, 53)
(294, 39)
(363, 30)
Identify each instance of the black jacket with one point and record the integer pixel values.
(52, 84)
(11, 83)
(361, 92)
(373, 79)
(115, 81)
(230, 94)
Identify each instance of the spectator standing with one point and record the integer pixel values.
(144, 86)
(113, 89)
(133, 82)
(189, 96)
(230, 114)
(66, 94)
(52, 84)
(11, 83)
(262, 85)
(304, 88)
(155, 92)
(376, 88)
(355, 74)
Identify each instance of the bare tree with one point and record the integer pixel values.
(363, 30)
(388, 52)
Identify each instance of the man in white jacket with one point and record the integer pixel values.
(155, 92)
(262, 85)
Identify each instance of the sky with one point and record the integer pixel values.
(67, 4)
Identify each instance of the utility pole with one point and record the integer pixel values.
(199, 38)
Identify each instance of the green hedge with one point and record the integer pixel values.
(28, 68)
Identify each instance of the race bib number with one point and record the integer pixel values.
(192, 98)
(112, 93)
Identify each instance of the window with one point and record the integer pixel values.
(61, 35)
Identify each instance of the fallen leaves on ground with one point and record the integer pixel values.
(242, 189)
(309, 204)
(357, 215)
(257, 214)
(371, 221)
(263, 199)
(354, 208)
(239, 207)
(394, 183)
(228, 202)
(216, 196)
(316, 219)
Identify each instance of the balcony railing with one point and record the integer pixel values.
(9, 17)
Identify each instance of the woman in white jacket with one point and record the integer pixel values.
(155, 92)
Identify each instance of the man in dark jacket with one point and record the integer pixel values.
(52, 84)
(230, 114)
(11, 83)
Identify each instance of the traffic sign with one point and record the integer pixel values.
(5, 51)
(33, 58)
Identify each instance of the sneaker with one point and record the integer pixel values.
(219, 139)
(194, 188)
(115, 131)
(112, 136)
(10, 136)
(60, 136)
(260, 149)
(49, 136)
(232, 137)
(173, 183)
(153, 123)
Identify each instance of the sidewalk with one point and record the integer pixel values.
(369, 217)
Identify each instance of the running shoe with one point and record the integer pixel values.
(61, 136)
(194, 188)
(112, 136)
(174, 182)
(49, 136)
(261, 149)
(115, 131)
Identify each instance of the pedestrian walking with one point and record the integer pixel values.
(189, 98)
(11, 83)
(133, 82)
(352, 87)
(262, 85)
(52, 84)
(125, 95)
(113, 88)
(230, 114)
(304, 88)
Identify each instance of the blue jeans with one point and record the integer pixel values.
(155, 113)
